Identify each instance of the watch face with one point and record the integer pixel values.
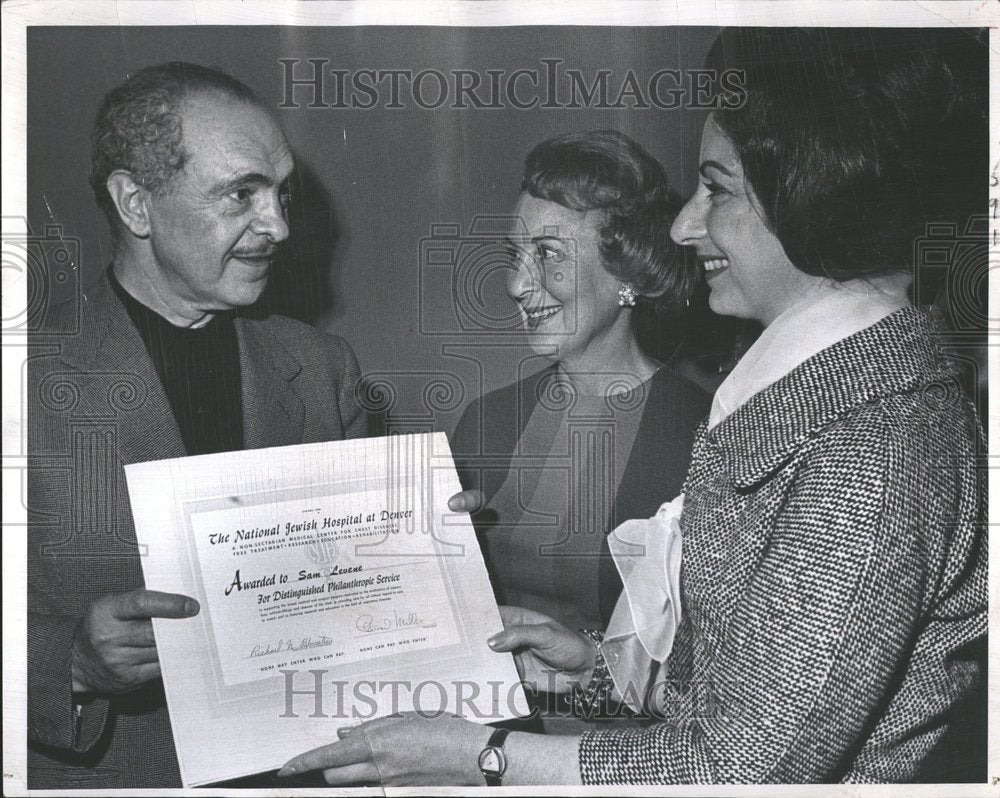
(492, 761)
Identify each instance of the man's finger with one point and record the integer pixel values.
(147, 672)
(139, 634)
(138, 604)
(468, 501)
(140, 655)
(537, 636)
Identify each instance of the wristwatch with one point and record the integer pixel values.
(492, 760)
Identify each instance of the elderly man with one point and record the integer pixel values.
(192, 172)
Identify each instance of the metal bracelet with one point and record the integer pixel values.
(593, 699)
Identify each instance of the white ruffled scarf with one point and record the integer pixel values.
(647, 552)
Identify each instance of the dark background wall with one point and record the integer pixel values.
(373, 183)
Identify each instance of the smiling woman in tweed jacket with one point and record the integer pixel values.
(833, 572)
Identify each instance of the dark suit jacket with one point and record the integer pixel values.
(487, 434)
(96, 404)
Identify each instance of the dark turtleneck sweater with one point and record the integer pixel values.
(200, 372)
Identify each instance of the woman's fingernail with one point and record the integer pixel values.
(496, 640)
(286, 771)
(343, 731)
(191, 607)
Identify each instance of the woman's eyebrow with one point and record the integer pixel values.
(520, 241)
(714, 165)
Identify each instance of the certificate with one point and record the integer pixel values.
(335, 586)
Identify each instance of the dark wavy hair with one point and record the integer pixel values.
(854, 141)
(606, 170)
(138, 127)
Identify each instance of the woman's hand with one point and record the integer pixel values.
(548, 655)
(399, 751)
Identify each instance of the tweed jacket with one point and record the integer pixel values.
(486, 438)
(833, 577)
(96, 404)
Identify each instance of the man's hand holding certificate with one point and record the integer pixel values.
(335, 586)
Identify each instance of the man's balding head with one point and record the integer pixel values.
(192, 171)
(138, 127)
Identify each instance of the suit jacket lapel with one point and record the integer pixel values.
(118, 381)
(272, 411)
(122, 384)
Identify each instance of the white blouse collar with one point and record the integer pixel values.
(826, 315)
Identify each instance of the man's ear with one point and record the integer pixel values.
(131, 201)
